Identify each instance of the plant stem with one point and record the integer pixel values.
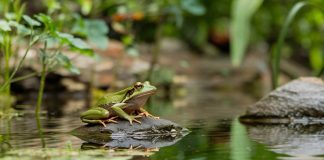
(41, 90)
(40, 131)
(42, 82)
(7, 45)
(7, 82)
(23, 77)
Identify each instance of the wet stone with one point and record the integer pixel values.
(301, 100)
(151, 133)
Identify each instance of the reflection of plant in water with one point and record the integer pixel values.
(4, 145)
(6, 111)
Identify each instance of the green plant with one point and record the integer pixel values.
(242, 12)
(51, 56)
(275, 59)
(13, 12)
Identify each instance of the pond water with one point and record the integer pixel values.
(212, 118)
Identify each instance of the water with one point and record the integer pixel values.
(212, 118)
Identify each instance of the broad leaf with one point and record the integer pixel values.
(21, 29)
(75, 43)
(31, 21)
(193, 7)
(47, 21)
(4, 26)
(94, 30)
(242, 12)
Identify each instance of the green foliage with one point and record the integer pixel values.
(275, 59)
(242, 12)
(38, 29)
(4, 26)
(31, 21)
(95, 30)
(193, 6)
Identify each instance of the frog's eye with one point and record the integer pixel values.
(138, 85)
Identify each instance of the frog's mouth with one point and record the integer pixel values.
(151, 92)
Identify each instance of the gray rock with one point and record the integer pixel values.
(295, 100)
(151, 133)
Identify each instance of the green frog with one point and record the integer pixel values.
(123, 104)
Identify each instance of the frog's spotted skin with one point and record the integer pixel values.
(121, 104)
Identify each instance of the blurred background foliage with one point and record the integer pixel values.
(199, 22)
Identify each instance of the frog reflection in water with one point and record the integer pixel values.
(123, 104)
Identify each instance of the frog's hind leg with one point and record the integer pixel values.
(92, 121)
(146, 113)
(118, 108)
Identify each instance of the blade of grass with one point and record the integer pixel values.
(276, 54)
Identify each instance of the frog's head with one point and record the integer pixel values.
(141, 89)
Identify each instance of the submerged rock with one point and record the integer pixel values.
(299, 99)
(151, 133)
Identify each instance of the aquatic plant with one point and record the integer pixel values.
(275, 57)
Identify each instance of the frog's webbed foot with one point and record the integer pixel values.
(112, 120)
(133, 118)
(147, 114)
(103, 123)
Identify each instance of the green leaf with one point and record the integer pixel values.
(75, 43)
(21, 29)
(193, 6)
(94, 30)
(4, 26)
(66, 63)
(242, 12)
(10, 16)
(47, 21)
(97, 32)
(30, 21)
(79, 43)
(100, 41)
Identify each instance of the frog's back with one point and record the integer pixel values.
(115, 97)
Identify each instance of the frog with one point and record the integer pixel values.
(122, 104)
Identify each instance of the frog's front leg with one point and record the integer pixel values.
(118, 108)
(95, 115)
(146, 113)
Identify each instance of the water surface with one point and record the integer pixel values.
(212, 118)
